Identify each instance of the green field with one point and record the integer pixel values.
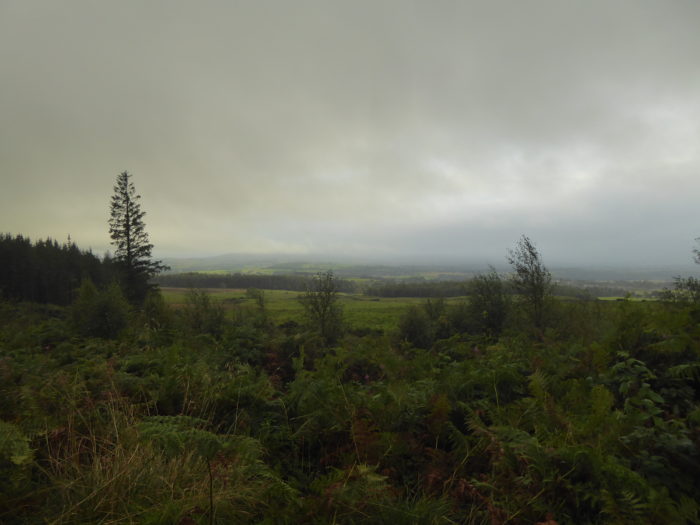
(359, 311)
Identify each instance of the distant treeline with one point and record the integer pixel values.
(240, 280)
(387, 288)
(46, 271)
(418, 289)
(615, 289)
(461, 288)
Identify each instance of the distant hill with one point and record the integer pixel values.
(285, 264)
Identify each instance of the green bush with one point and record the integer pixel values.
(489, 304)
(201, 315)
(416, 328)
(99, 313)
(321, 309)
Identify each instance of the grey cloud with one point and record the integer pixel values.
(395, 127)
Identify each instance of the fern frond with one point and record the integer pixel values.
(624, 507)
(686, 371)
(539, 385)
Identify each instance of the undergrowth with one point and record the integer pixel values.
(186, 416)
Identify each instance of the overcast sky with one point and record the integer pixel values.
(368, 128)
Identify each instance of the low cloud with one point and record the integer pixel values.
(392, 128)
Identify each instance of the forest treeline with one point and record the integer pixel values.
(45, 271)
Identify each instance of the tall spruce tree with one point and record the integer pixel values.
(132, 253)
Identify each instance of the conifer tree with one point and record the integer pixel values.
(132, 248)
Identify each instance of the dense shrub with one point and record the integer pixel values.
(202, 316)
(489, 304)
(415, 327)
(235, 420)
(99, 313)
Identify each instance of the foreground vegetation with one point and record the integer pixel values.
(166, 414)
(509, 405)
